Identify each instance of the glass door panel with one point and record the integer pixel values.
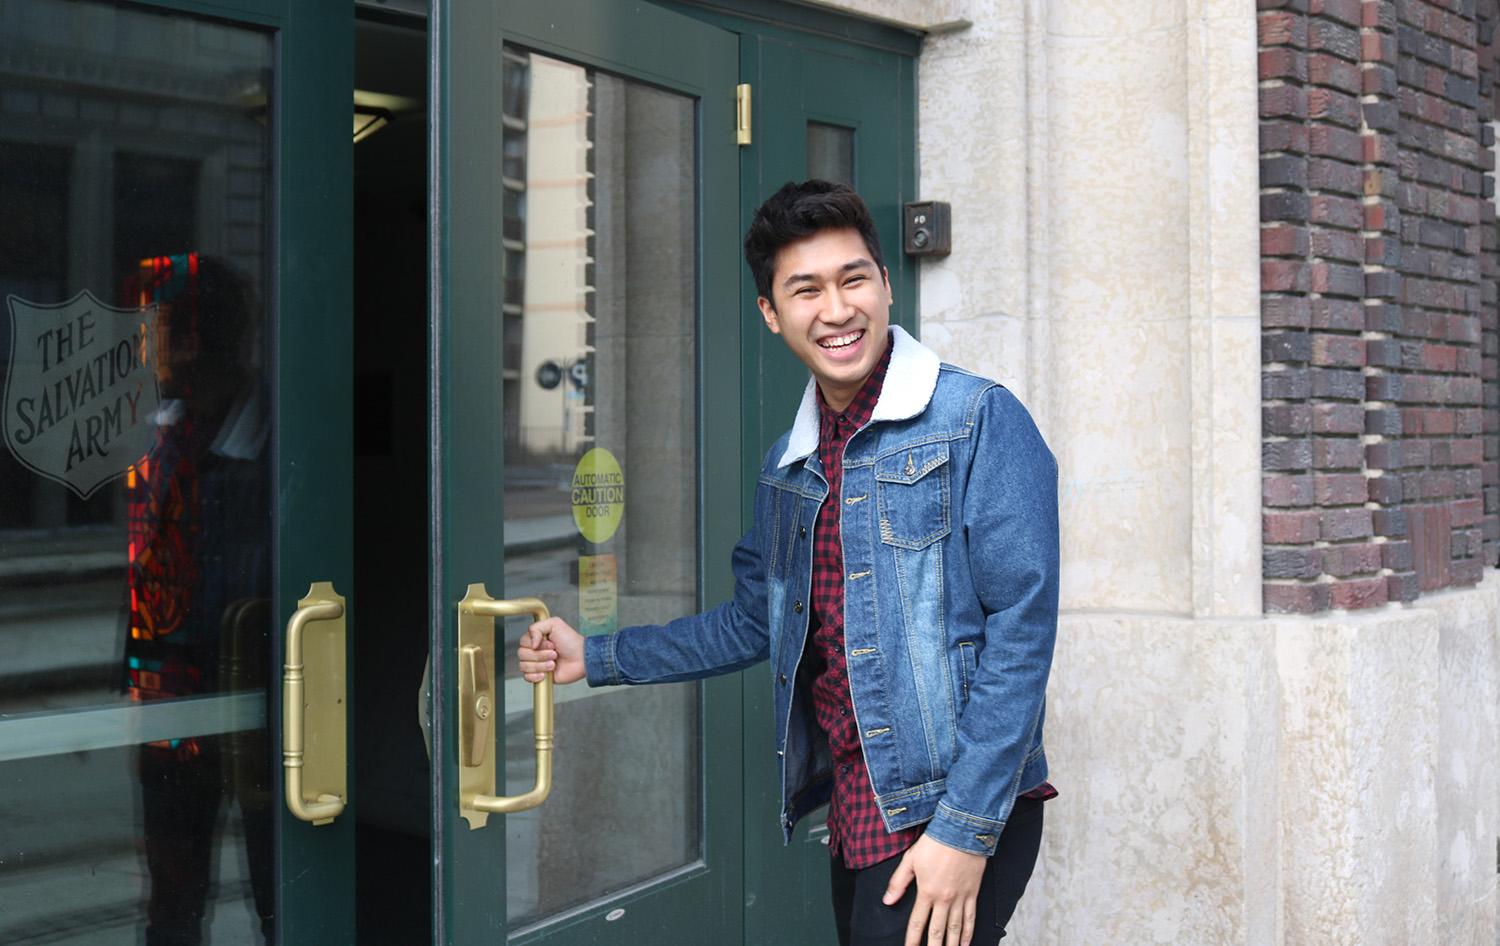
(600, 463)
(152, 540)
(135, 535)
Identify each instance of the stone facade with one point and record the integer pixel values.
(1230, 772)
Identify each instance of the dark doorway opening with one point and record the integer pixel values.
(392, 783)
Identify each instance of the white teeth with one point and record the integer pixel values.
(842, 341)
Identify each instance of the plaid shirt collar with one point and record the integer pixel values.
(913, 378)
(862, 408)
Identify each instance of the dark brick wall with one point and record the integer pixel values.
(1381, 435)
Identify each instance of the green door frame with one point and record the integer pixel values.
(313, 204)
(653, 46)
(314, 376)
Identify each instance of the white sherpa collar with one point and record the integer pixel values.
(909, 383)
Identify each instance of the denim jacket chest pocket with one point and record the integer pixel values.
(913, 489)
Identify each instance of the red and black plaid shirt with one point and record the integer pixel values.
(855, 828)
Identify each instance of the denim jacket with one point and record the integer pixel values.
(950, 543)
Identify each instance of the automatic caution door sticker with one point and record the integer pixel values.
(598, 495)
(81, 391)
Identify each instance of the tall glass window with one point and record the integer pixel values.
(135, 527)
(601, 463)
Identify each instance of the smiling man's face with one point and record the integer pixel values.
(832, 306)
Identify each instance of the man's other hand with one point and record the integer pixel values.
(947, 892)
(551, 645)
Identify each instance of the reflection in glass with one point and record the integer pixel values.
(600, 470)
(198, 524)
(133, 260)
(74, 872)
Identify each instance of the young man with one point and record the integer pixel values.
(902, 575)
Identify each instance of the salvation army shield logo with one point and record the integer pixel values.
(81, 393)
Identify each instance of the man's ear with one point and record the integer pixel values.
(768, 312)
(885, 274)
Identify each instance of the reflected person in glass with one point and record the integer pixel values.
(199, 533)
(902, 576)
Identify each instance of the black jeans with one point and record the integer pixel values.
(863, 920)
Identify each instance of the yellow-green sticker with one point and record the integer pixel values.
(598, 495)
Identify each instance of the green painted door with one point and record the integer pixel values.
(174, 260)
(835, 110)
(585, 452)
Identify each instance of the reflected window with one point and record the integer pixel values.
(34, 187)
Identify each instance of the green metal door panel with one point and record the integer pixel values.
(314, 380)
(854, 76)
(475, 273)
(468, 867)
(797, 80)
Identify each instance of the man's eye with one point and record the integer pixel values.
(855, 279)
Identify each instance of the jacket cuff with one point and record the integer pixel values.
(964, 832)
(599, 661)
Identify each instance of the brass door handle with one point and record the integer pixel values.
(476, 709)
(314, 712)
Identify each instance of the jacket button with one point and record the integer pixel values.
(802, 532)
(797, 606)
(783, 679)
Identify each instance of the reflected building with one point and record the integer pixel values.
(135, 170)
(600, 346)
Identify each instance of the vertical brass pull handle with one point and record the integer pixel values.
(476, 668)
(315, 712)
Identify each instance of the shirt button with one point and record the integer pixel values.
(843, 770)
(843, 711)
(797, 606)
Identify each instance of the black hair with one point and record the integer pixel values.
(800, 210)
(221, 296)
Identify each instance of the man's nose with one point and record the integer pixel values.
(839, 308)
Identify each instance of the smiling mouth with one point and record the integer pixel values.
(841, 342)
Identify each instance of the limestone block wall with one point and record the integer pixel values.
(1291, 781)
(1227, 776)
(1101, 269)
